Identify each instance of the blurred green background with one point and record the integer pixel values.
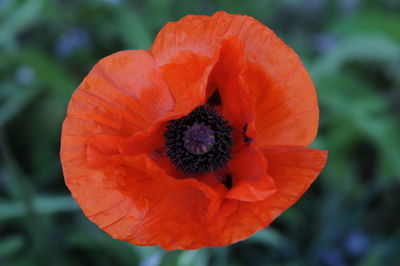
(350, 216)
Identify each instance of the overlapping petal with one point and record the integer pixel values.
(98, 164)
(113, 154)
(276, 76)
(113, 102)
(293, 170)
(251, 181)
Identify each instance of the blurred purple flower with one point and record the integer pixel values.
(4, 3)
(357, 244)
(25, 75)
(323, 43)
(312, 5)
(349, 6)
(333, 257)
(72, 41)
(153, 260)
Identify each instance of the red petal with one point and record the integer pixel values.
(249, 174)
(123, 93)
(287, 110)
(103, 150)
(236, 101)
(145, 184)
(145, 142)
(187, 76)
(293, 169)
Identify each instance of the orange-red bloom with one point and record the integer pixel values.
(200, 141)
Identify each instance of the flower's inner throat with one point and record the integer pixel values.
(199, 142)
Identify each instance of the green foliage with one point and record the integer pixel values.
(350, 216)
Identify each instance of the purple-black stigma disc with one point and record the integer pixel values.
(199, 138)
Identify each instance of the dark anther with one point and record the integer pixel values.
(247, 139)
(215, 99)
(199, 142)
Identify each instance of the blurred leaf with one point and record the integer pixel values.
(198, 257)
(158, 12)
(220, 256)
(365, 48)
(171, 258)
(377, 255)
(51, 73)
(357, 113)
(372, 22)
(43, 205)
(19, 19)
(132, 29)
(16, 103)
(10, 245)
(268, 237)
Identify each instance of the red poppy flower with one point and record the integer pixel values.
(200, 141)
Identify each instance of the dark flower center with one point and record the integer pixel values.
(199, 139)
(199, 142)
